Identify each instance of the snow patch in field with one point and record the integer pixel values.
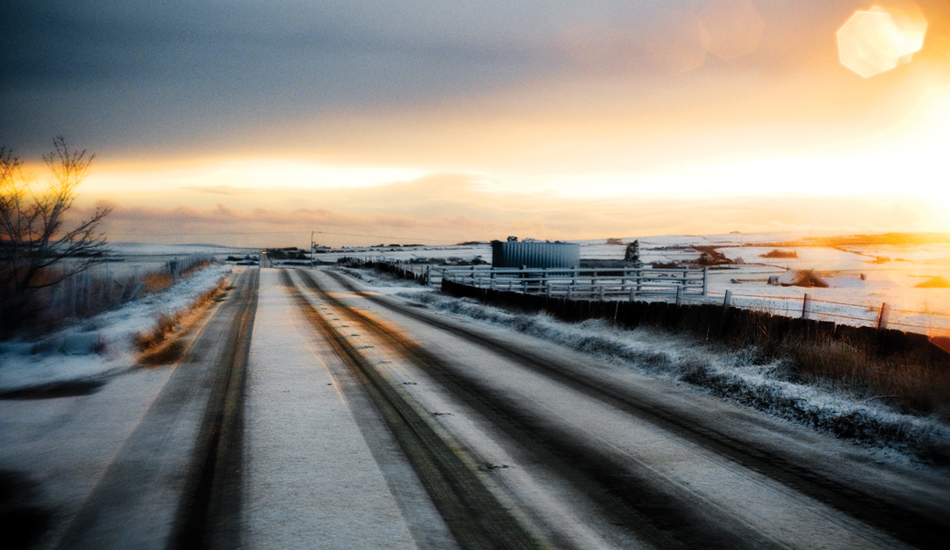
(735, 375)
(101, 344)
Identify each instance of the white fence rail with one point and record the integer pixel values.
(580, 284)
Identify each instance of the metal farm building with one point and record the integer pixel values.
(535, 254)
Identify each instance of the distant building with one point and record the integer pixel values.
(535, 254)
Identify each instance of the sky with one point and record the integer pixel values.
(254, 123)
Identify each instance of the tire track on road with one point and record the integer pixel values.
(474, 515)
(209, 514)
(652, 510)
(134, 504)
(917, 529)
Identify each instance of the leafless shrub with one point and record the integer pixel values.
(34, 238)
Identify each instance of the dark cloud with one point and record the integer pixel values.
(112, 70)
(139, 78)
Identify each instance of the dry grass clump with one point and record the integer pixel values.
(166, 324)
(196, 267)
(153, 282)
(162, 345)
(934, 282)
(165, 354)
(900, 380)
(776, 253)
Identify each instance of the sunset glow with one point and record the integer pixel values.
(466, 123)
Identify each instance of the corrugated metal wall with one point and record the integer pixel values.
(535, 254)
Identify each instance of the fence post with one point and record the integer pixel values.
(602, 293)
(705, 280)
(726, 302)
(570, 292)
(679, 296)
(639, 280)
(806, 306)
(882, 320)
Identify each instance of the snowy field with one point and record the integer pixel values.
(133, 258)
(860, 278)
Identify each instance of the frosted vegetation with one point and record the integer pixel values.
(747, 376)
(99, 345)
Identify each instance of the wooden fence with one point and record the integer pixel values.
(581, 284)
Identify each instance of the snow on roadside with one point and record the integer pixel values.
(101, 344)
(734, 375)
(383, 283)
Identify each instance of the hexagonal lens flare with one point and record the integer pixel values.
(912, 25)
(877, 40)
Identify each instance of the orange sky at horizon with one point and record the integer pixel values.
(892, 173)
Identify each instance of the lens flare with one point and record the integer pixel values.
(734, 27)
(877, 40)
(942, 45)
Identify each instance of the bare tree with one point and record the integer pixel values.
(37, 247)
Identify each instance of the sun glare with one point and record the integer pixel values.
(877, 40)
(905, 168)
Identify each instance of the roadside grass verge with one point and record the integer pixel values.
(904, 382)
(831, 387)
(155, 282)
(378, 278)
(56, 301)
(163, 344)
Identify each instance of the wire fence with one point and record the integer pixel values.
(673, 285)
(860, 314)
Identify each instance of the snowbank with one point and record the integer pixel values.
(98, 345)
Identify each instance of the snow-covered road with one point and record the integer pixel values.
(321, 469)
(313, 413)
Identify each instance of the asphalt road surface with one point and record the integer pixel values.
(310, 413)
